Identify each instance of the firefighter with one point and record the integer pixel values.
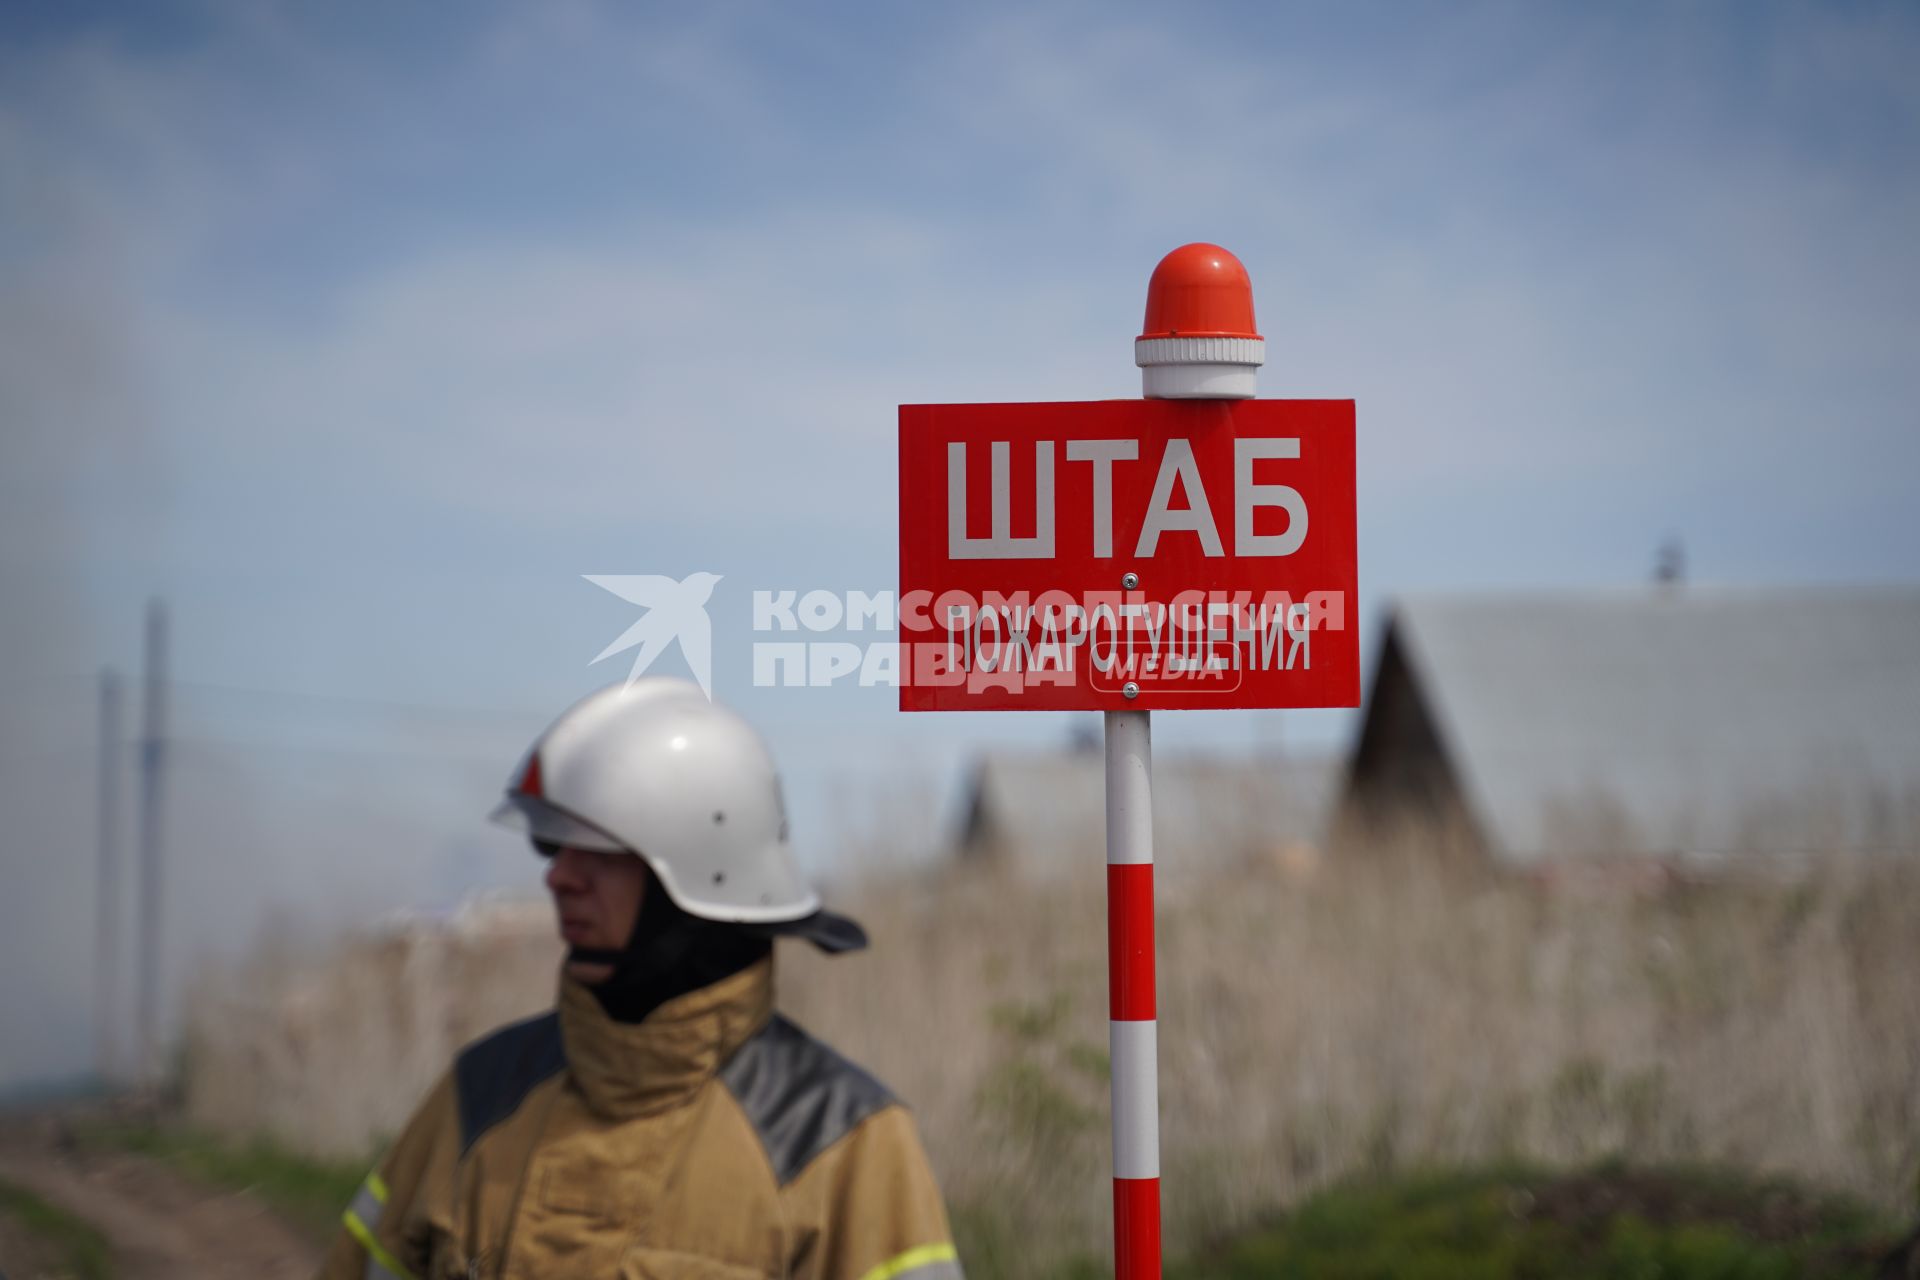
(662, 1122)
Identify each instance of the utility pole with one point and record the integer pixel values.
(106, 977)
(152, 762)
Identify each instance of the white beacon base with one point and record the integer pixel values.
(1199, 368)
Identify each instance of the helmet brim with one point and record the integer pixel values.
(543, 821)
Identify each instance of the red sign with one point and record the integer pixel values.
(1118, 554)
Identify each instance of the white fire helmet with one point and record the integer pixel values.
(654, 768)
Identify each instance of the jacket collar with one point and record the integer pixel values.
(633, 1069)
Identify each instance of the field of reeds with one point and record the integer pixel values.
(1391, 1011)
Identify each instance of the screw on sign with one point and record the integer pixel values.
(1191, 550)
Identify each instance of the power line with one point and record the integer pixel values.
(518, 715)
(353, 699)
(203, 748)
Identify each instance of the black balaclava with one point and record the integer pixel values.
(671, 952)
(668, 954)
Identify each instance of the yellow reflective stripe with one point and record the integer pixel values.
(374, 1248)
(378, 1186)
(924, 1255)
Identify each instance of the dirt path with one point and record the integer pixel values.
(161, 1226)
(25, 1256)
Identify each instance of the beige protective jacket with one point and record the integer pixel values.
(713, 1141)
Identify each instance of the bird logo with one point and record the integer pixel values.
(674, 611)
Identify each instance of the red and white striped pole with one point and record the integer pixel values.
(1133, 1029)
(1199, 343)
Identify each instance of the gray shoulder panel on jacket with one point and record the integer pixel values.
(800, 1095)
(494, 1075)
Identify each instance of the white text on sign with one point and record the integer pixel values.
(1177, 467)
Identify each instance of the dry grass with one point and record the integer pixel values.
(1389, 1015)
(1383, 1013)
(327, 1051)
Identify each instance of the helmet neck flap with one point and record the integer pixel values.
(672, 952)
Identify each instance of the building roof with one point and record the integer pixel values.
(1675, 721)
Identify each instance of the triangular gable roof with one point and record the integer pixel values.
(1675, 721)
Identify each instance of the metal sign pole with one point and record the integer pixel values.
(1197, 342)
(1132, 1029)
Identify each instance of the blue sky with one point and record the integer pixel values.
(361, 331)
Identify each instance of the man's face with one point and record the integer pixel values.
(598, 898)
